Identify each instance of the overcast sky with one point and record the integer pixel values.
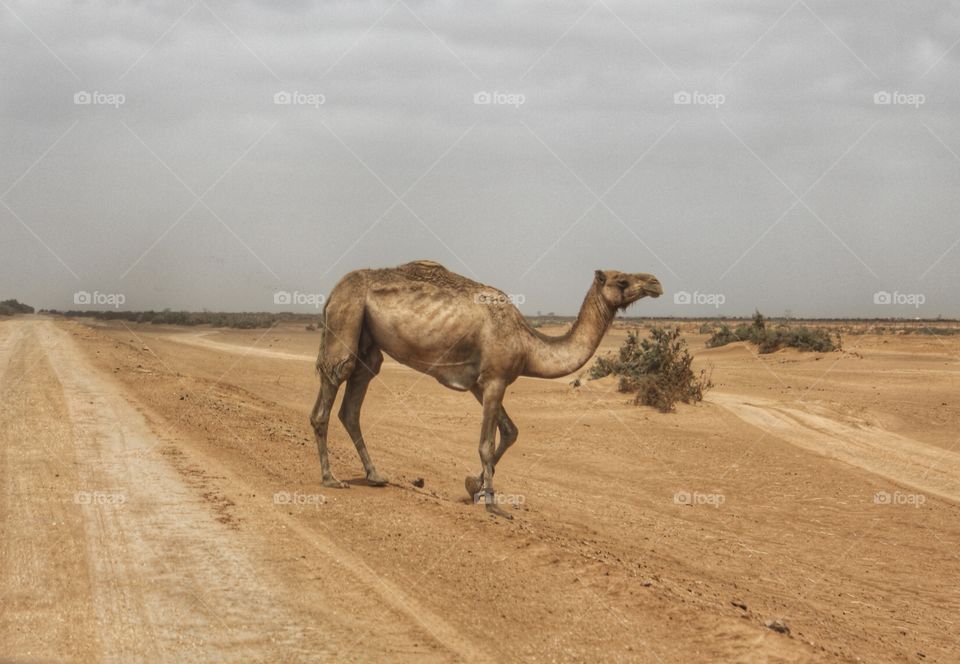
(786, 183)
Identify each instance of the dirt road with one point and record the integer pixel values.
(160, 501)
(113, 553)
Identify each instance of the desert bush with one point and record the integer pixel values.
(724, 335)
(938, 331)
(769, 339)
(802, 338)
(707, 328)
(658, 370)
(905, 329)
(11, 307)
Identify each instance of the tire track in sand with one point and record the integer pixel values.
(167, 580)
(924, 467)
(45, 612)
(200, 340)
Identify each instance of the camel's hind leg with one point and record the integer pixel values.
(343, 324)
(320, 419)
(368, 366)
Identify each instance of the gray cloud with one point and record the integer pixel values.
(296, 195)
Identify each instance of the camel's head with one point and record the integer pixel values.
(621, 289)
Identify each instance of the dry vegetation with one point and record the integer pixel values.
(657, 369)
(770, 339)
(11, 307)
(240, 320)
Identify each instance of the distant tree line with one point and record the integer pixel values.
(241, 320)
(11, 307)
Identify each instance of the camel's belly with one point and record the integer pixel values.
(456, 380)
(455, 375)
(429, 337)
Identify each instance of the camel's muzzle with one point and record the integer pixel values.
(653, 288)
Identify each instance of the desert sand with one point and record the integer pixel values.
(160, 500)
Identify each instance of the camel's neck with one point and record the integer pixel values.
(552, 357)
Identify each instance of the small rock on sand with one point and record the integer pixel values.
(778, 626)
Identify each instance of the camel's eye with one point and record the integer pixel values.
(623, 283)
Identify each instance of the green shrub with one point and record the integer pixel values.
(724, 335)
(802, 338)
(11, 307)
(769, 340)
(938, 331)
(658, 370)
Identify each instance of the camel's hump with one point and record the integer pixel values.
(426, 263)
(433, 272)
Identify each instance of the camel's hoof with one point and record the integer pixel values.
(375, 479)
(496, 511)
(334, 483)
(473, 484)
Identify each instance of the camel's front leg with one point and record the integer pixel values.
(508, 436)
(492, 398)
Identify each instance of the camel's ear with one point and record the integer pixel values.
(601, 277)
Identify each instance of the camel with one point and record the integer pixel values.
(468, 336)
